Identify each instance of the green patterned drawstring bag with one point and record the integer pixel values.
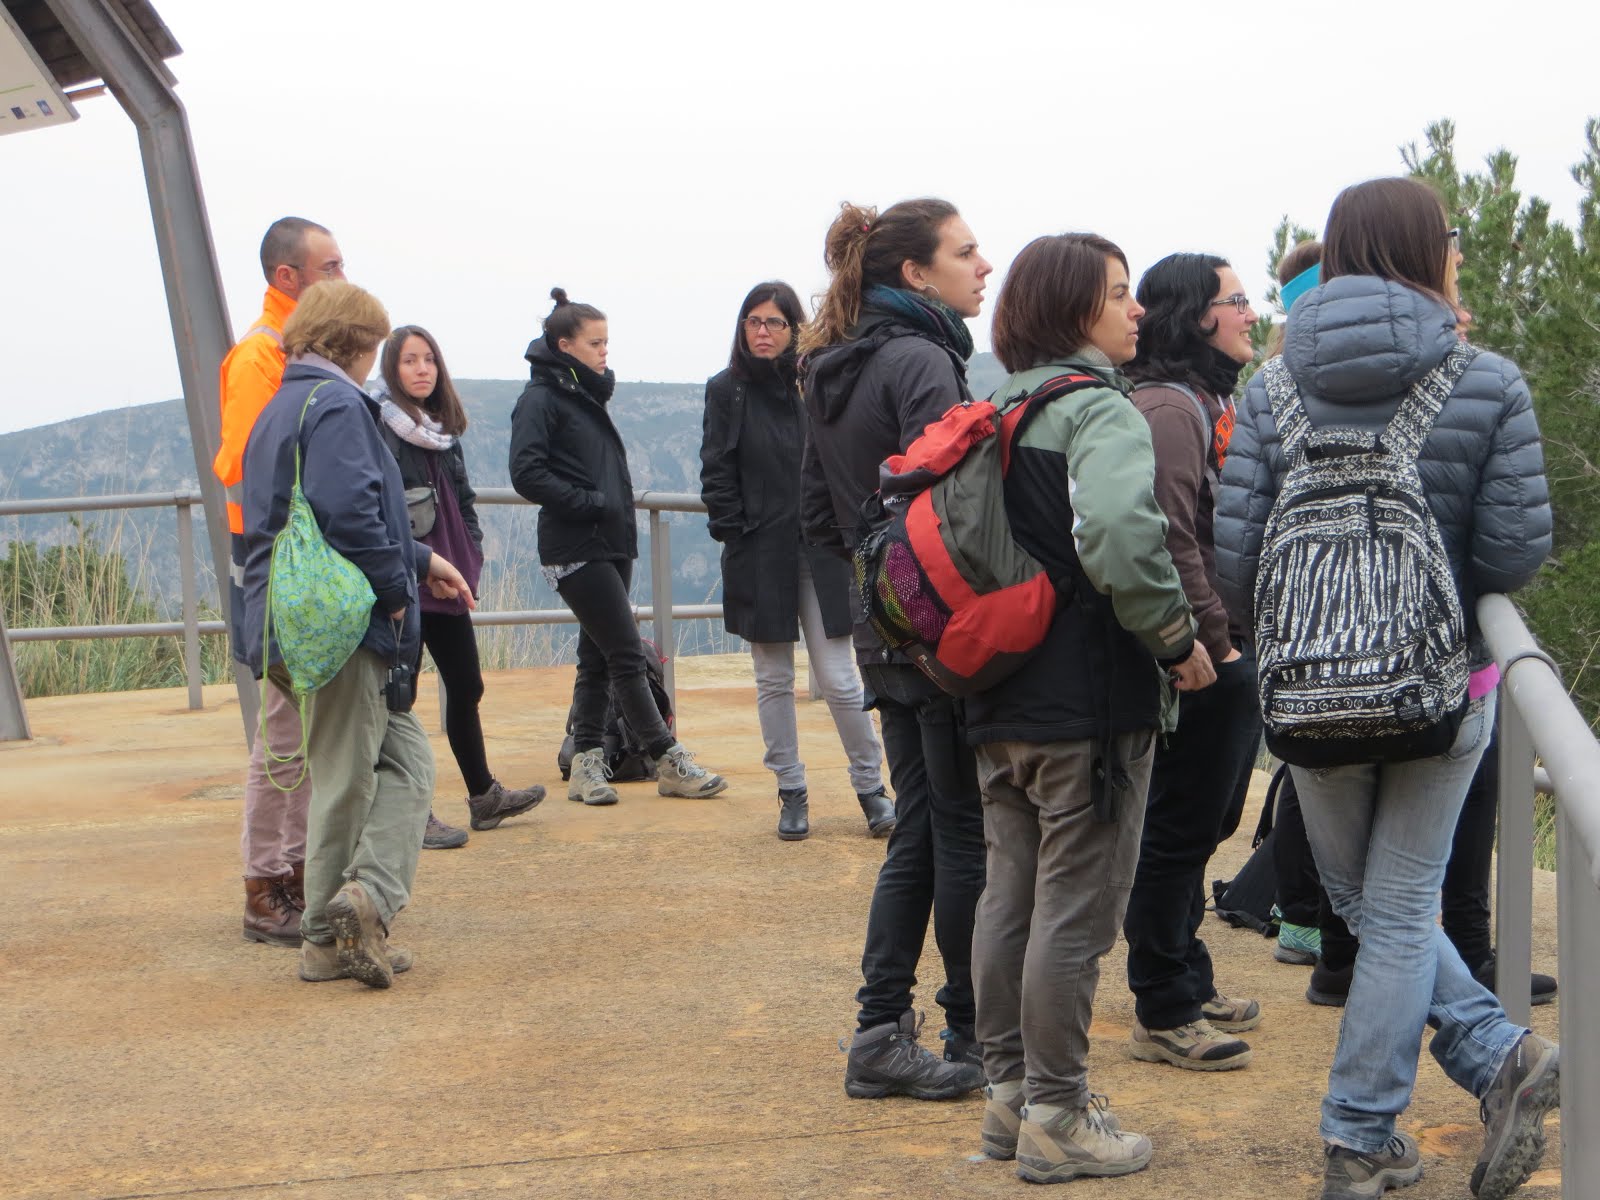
(319, 605)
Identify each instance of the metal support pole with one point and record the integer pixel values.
(13, 712)
(191, 607)
(1578, 939)
(661, 599)
(1514, 865)
(195, 302)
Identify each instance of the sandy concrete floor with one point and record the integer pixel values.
(626, 1002)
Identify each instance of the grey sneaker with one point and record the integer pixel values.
(320, 964)
(887, 1060)
(677, 774)
(1057, 1144)
(588, 781)
(500, 802)
(1194, 1047)
(1513, 1109)
(439, 836)
(1351, 1175)
(1231, 1016)
(360, 935)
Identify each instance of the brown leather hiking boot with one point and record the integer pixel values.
(270, 912)
(295, 885)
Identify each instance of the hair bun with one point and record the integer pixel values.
(559, 295)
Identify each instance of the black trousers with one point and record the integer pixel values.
(454, 647)
(936, 856)
(1465, 896)
(1301, 899)
(1197, 794)
(610, 658)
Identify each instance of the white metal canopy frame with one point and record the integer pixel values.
(121, 44)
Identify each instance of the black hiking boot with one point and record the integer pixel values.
(794, 824)
(879, 811)
(887, 1060)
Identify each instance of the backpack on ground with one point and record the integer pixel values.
(939, 574)
(1360, 640)
(1246, 900)
(626, 755)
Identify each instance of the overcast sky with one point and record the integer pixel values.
(657, 159)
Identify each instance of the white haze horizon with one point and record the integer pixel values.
(657, 162)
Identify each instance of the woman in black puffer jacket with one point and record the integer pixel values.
(1383, 318)
(568, 458)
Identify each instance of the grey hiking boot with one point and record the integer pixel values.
(1513, 1109)
(500, 802)
(886, 1060)
(588, 781)
(362, 940)
(1231, 1016)
(439, 836)
(794, 818)
(1057, 1144)
(320, 964)
(677, 774)
(879, 812)
(1351, 1175)
(1002, 1117)
(1194, 1047)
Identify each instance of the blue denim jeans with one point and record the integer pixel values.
(1381, 835)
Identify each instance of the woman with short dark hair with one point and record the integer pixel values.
(1065, 744)
(1368, 352)
(423, 420)
(774, 587)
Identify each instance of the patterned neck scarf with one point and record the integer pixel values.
(933, 317)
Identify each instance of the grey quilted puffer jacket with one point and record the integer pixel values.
(1354, 346)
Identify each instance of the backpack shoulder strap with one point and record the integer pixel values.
(1408, 429)
(1018, 412)
(1288, 409)
(1194, 398)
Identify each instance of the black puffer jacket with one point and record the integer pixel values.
(568, 458)
(753, 436)
(868, 398)
(1354, 346)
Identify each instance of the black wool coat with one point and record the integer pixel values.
(753, 436)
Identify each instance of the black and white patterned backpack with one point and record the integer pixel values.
(1360, 640)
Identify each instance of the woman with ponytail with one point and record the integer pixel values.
(885, 357)
(568, 458)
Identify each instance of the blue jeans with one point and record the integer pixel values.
(1381, 835)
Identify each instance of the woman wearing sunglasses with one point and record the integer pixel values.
(773, 587)
(1193, 341)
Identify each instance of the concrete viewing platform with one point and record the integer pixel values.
(641, 1001)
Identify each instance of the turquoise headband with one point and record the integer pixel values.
(1299, 286)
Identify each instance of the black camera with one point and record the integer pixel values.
(398, 693)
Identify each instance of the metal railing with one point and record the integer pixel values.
(13, 713)
(1538, 718)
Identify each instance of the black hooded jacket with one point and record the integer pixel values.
(568, 458)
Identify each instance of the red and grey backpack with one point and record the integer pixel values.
(939, 574)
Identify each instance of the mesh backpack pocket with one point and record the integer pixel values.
(1360, 638)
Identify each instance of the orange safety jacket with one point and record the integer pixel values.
(250, 377)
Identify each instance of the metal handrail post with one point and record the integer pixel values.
(13, 711)
(1514, 864)
(661, 599)
(1578, 945)
(191, 604)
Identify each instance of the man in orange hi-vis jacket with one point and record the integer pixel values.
(295, 254)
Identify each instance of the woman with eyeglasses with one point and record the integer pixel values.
(1194, 339)
(774, 588)
(568, 458)
(1383, 320)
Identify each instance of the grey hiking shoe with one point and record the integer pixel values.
(1194, 1047)
(362, 940)
(1231, 1016)
(677, 774)
(887, 1060)
(588, 780)
(1513, 1109)
(1002, 1117)
(439, 836)
(320, 964)
(500, 802)
(1057, 1144)
(1351, 1175)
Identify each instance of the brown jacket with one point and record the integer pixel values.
(1189, 458)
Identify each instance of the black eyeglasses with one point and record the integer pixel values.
(1239, 300)
(770, 324)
